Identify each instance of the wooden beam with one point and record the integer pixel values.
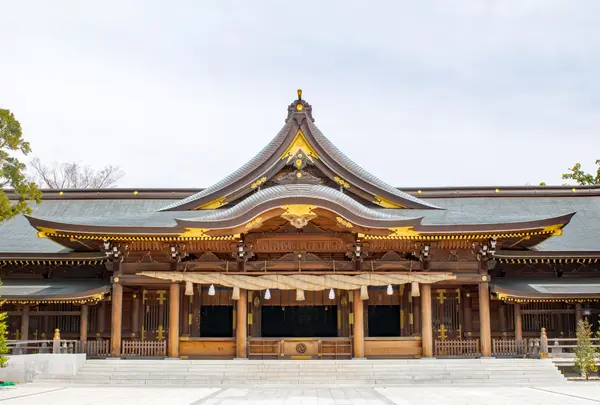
(359, 325)
(241, 334)
(173, 335)
(83, 323)
(117, 320)
(485, 331)
(45, 313)
(426, 320)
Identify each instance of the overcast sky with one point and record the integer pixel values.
(420, 93)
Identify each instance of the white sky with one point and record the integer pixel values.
(420, 93)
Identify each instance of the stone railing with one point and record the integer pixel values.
(56, 346)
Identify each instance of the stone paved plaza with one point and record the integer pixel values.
(572, 394)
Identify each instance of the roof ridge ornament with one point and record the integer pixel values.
(299, 107)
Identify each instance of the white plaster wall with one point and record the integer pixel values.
(24, 368)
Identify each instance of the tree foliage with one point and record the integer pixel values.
(3, 334)
(582, 178)
(74, 175)
(585, 354)
(12, 170)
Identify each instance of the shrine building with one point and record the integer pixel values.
(302, 254)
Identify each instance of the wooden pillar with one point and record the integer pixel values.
(135, 315)
(117, 319)
(502, 321)
(578, 315)
(241, 334)
(468, 315)
(426, 320)
(83, 323)
(25, 323)
(196, 306)
(416, 316)
(518, 322)
(186, 321)
(173, 336)
(485, 330)
(101, 318)
(359, 325)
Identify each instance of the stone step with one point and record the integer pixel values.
(312, 373)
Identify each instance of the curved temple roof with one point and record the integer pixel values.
(300, 134)
(298, 200)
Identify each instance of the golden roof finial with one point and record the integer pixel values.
(299, 94)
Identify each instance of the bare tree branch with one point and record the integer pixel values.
(74, 175)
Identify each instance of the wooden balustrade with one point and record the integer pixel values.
(335, 349)
(97, 348)
(509, 347)
(147, 348)
(318, 348)
(263, 348)
(457, 348)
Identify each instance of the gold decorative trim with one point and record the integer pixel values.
(547, 260)
(299, 143)
(408, 233)
(255, 223)
(385, 203)
(52, 261)
(343, 222)
(92, 299)
(258, 182)
(191, 234)
(219, 202)
(341, 182)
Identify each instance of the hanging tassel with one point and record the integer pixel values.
(390, 290)
(331, 294)
(268, 294)
(414, 289)
(364, 292)
(300, 295)
(189, 288)
(235, 295)
(211, 290)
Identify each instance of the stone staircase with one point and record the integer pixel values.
(256, 373)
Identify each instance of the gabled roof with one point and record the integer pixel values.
(300, 142)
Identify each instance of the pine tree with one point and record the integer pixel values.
(585, 353)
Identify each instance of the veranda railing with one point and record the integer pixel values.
(509, 347)
(146, 348)
(457, 348)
